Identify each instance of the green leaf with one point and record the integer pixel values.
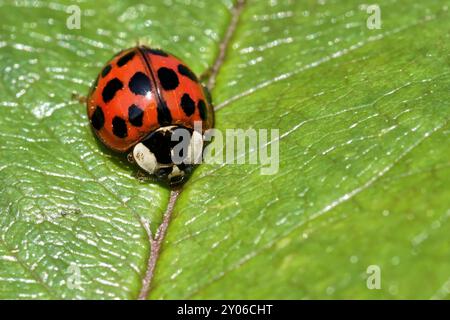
(364, 166)
(66, 202)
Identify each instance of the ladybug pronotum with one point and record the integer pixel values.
(140, 100)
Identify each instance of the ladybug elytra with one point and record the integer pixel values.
(144, 98)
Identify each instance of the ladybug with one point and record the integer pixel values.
(146, 102)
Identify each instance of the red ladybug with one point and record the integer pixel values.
(140, 99)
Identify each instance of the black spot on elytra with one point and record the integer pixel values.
(187, 104)
(202, 109)
(135, 115)
(119, 127)
(139, 84)
(124, 59)
(157, 52)
(168, 78)
(106, 70)
(109, 91)
(185, 71)
(164, 116)
(98, 118)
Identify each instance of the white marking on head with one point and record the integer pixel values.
(145, 158)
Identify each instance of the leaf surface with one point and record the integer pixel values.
(364, 146)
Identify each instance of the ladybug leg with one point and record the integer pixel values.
(141, 175)
(205, 75)
(78, 97)
(130, 157)
(208, 94)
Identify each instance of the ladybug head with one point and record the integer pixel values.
(169, 153)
